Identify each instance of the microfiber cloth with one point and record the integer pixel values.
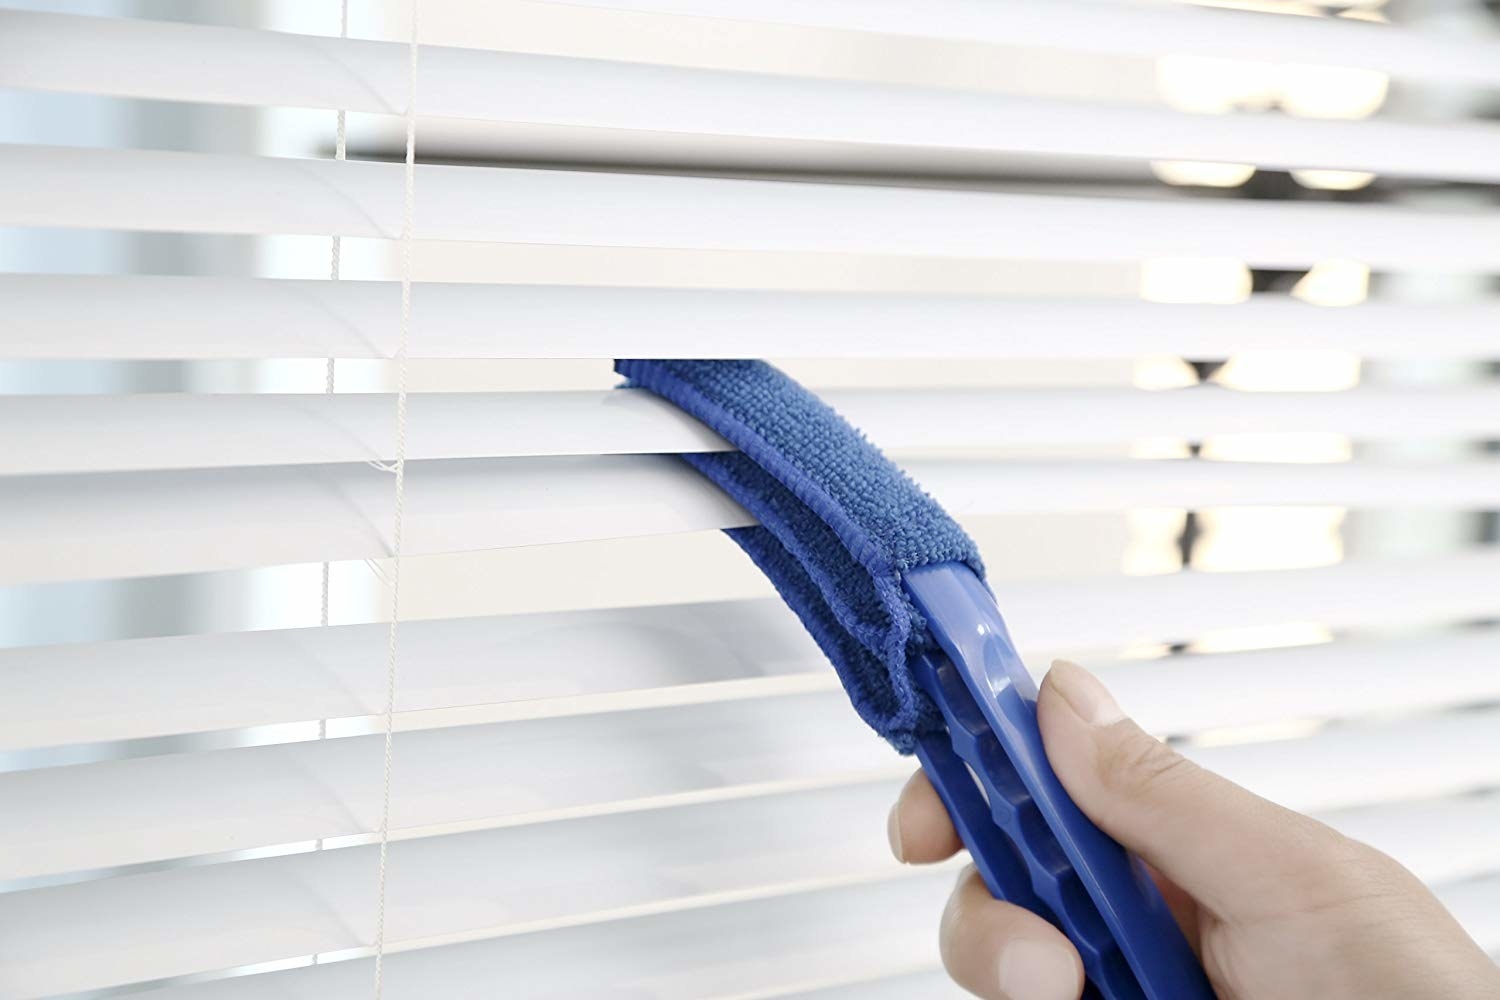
(839, 524)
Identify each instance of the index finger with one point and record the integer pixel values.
(919, 828)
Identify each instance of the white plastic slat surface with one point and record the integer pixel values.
(1341, 680)
(80, 527)
(528, 879)
(107, 316)
(841, 944)
(474, 776)
(442, 889)
(764, 948)
(51, 434)
(508, 774)
(512, 667)
(975, 487)
(96, 525)
(1179, 607)
(559, 661)
(208, 193)
(1345, 766)
(239, 66)
(578, 663)
(40, 434)
(1143, 29)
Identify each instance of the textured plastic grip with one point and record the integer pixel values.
(1029, 841)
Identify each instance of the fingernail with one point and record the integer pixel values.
(1037, 970)
(1084, 694)
(893, 832)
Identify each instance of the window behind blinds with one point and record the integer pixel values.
(1185, 312)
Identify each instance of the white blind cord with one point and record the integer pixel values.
(408, 205)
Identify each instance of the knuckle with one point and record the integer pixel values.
(1337, 873)
(1372, 874)
(1139, 766)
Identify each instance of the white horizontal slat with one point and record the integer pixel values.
(42, 434)
(527, 879)
(992, 418)
(765, 948)
(1128, 29)
(474, 777)
(53, 434)
(97, 525)
(1007, 487)
(110, 316)
(206, 193)
(843, 944)
(579, 663)
(1179, 607)
(522, 666)
(1345, 680)
(238, 66)
(506, 668)
(501, 775)
(79, 527)
(442, 889)
(1344, 767)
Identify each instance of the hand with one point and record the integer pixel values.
(1276, 905)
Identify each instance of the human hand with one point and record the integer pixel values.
(1276, 905)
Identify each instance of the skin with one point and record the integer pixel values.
(1276, 905)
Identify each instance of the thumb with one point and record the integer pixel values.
(1231, 850)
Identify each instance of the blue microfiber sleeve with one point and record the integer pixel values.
(839, 524)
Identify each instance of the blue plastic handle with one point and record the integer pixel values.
(1029, 841)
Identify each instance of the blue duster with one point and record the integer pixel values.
(839, 524)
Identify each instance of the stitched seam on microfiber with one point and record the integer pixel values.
(905, 712)
(876, 637)
(735, 430)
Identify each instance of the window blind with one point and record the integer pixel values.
(1227, 435)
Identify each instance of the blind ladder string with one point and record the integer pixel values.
(407, 213)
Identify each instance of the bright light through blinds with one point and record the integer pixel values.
(1132, 287)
